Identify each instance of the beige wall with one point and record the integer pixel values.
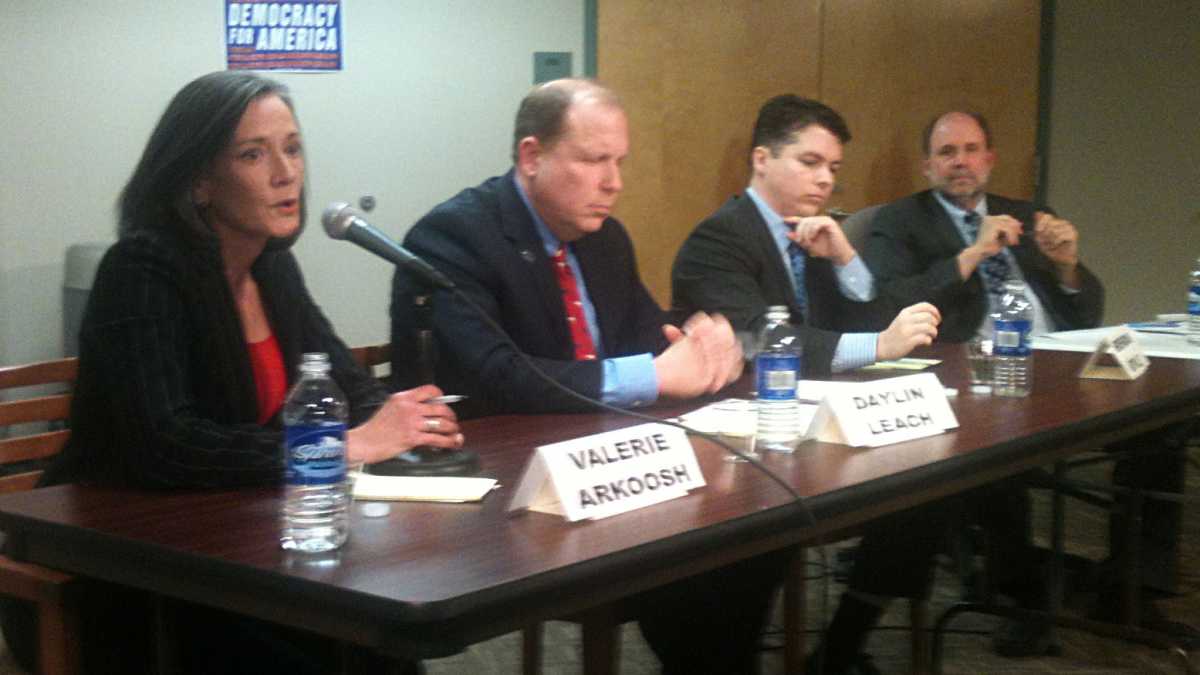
(1124, 151)
(423, 108)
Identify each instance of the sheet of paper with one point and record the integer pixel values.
(721, 416)
(735, 417)
(812, 391)
(1155, 344)
(421, 488)
(906, 363)
(1165, 327)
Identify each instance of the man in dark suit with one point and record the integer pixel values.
(506, 243)
(537, 250)
(954, 244)
(771, 246)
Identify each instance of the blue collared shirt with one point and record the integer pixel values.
(1042, 323)
(629, 381)
(855, 282)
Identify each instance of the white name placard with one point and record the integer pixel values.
(871, 414)
(606, 474)
(1131, 359)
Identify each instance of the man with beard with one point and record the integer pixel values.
(955, 245)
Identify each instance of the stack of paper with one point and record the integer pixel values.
(421, 488)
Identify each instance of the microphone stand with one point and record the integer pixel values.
(425, 460)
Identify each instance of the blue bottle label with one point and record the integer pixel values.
(775, 375)
(1012, 338)
(1194, 300)
(316, 454)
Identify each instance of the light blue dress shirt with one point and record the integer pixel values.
(629, 381)
(855, 281)
(1042, 323)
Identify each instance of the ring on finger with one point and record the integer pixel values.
(432, 424)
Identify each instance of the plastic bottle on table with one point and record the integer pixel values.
(317, 493)
(777, 368)
(1012, 358)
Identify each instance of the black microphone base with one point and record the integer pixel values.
(427, 461)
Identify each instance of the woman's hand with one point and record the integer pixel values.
(404, 422)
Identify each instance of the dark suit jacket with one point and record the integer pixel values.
(912, 250)
(484, 240)
(730, 264)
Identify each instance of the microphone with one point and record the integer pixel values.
(343, 221)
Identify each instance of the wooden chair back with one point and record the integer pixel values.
(21, 456)
(370, 356)
(28, 448)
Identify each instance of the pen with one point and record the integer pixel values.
(838, 214)
(448, 398)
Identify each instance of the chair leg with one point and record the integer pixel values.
(1131, 564)
(58, 638)
(918, 611)
(795, 604)
(531, 650)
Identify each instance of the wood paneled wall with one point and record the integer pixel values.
(692, 74)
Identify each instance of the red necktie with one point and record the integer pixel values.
(584, 347)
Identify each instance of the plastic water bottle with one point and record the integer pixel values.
(317, 495)
(1193, 321)
(776, 369)
(1012, 360)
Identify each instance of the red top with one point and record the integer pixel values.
(270, 379)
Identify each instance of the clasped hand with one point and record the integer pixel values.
(915, 326)
(703, 357)
(996, 232)
(1057, 238)
(822, 237)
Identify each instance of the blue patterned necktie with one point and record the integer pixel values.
(796, 255)
(994, 269)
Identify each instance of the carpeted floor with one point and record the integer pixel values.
(967, 651)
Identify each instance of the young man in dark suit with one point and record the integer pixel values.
(538, 250)
(771, 246)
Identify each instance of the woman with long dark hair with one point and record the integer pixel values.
(194, 329)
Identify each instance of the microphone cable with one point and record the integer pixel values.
(810, 519)
(542, 375)
(443, 283)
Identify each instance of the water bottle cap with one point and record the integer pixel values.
(778, 313)
(314, 362)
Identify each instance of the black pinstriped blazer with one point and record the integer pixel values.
(166, 395)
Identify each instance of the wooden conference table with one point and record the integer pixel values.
(430, 579)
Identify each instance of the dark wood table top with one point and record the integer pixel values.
(429, 579)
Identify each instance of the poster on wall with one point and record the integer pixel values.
(302, 36)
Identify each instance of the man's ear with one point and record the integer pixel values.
(990, 158)
(529, 153)
(758, 158)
